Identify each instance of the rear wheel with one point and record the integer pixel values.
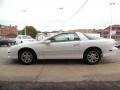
(92, 56)
(27, 57)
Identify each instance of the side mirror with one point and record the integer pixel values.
(46, 42)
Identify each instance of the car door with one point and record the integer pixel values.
(65, 45)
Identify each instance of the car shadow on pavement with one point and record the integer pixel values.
(49, 61)
(72, 61)
(14, 61)
(60, 61)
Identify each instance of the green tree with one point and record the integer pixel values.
(20, 32)
(30, 30)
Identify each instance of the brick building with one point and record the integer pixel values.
(106, 32)
(8, 31)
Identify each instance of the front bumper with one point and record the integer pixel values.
(12, 55)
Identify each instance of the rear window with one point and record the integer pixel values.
(92, 37)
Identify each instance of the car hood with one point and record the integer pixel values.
(28, 43)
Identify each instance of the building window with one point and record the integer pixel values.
(113, 37)
(118, 32)
(113, 28)
(105, 36)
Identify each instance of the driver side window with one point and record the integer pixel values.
(65, 37)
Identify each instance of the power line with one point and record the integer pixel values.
(76, 12)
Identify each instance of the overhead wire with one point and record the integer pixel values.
(76, 12)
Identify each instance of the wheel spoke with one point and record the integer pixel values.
(93, 56)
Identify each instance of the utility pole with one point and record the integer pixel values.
(25, 30)
(24, 11)
(61, 13)
(111, 4)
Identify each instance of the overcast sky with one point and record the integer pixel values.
(48, 15)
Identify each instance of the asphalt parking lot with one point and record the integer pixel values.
(58, 71)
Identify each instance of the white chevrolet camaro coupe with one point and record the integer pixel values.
(65, 45)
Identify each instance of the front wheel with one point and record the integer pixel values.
(92, 56)
(27, 57)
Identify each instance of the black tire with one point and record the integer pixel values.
(92, 56)
(27, 57)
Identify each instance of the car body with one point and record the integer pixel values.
(65, 45)
(24, 39)
(6, 41)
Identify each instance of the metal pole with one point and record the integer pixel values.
(61, 12)
(110, 19)
(24, 11)
(111, 4)
(25, 30)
